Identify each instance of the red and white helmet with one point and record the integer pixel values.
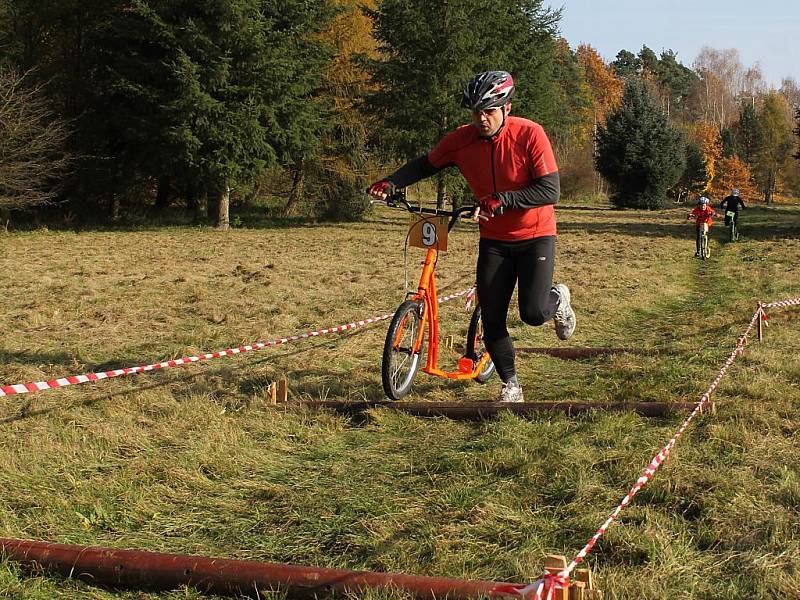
(488, 90)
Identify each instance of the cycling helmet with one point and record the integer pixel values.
(735, 192)
(488, 90)
(702, 200)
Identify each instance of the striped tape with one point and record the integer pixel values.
(782, 303)
(36, 386)
(548, 586)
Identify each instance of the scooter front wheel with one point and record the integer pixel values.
(400, 357)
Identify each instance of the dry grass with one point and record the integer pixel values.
(194, 460)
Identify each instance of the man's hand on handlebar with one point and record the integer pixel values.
(381, 190)
(488, 207)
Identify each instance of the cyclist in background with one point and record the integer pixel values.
(509, 165)
(730, 204)
(702, 213)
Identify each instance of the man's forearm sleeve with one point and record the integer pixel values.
(545, 190)
(413, 171)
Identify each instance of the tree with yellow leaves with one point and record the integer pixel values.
(605, 88)
(707, 136)
(732, 172)
(340, 169)
(775, 143)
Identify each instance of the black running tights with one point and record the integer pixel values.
(500, 266)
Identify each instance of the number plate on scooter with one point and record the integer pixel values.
(428, 231)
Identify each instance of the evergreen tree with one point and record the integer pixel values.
(746, 130)
(626, 64)
(433, 47)
(249, 72)
(677, 83)
(729, 143)
(648, 61)
(131, 125)
(190, 94)
(638, 151)
(695, 177)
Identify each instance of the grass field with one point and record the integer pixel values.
(195, 460)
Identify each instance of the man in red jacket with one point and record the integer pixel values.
(509, 165)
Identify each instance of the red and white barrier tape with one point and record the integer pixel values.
(782, 303)
(550, 583)
(543, 589)
(24, 388)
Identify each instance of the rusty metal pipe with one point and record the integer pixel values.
(580, 353)
(475, 411)
(139, 569)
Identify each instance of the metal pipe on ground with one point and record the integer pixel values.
(579, 353)
(484, 410)
(141, 570)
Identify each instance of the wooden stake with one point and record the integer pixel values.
(449, 341)
(581, 585)
(709, 408)
(283, 390)
(583, 580)
(577, 590)
(554, 564)
(273, 393)
(760, 325)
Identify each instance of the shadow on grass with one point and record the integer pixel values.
(37, 358)
(176, 220)
(248, 386)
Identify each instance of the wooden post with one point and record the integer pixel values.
(584, 582)
(283, 390)
(760, 324)
(273, 393)
(554, 564)
(581, 585)
(709, 408)
(448, 342)
(577, 590)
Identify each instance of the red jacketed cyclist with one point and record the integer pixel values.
(509, 165)
(703, 215)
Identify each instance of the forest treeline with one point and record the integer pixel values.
(111, 108)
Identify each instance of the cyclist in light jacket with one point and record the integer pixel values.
(509, 165)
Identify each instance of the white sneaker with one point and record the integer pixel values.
(511, 392)
(564, 319)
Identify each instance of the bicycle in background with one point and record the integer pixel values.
(733, 227)
(730, 204)
(419, 313)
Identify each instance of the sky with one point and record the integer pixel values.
(763, 31)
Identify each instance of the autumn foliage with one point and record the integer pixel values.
(732, 172)
(605, 87)
(706, 135)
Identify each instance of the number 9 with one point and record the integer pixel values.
(428, 234)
